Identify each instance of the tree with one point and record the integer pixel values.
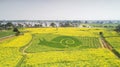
(101, 33)
(20, 25)
(53, 25)
(117, 28)
(16, 30)
(9, 25)
(61, 24)
(36, 25)
(68, 24)
(84, 25)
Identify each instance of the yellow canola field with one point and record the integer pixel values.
(89, 57)
(90, 32)
(9, 57)
(115, 42)
(18, 41)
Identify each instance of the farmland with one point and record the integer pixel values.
(52, 42)
(6, 33)
(9, 50)
(60, 47)
(87, 57)
(114, 41)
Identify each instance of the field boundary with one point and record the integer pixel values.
(106, 44)
(24, 54)
(6, 37)
(23, 48)
(21, 60)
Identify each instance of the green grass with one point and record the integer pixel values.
(6, 33)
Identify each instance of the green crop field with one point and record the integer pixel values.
(60, 47)
(52, 42)
(115, 42)
(6, 33)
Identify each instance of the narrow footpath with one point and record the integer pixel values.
(107, 45)
(6, 37)
(24, 54)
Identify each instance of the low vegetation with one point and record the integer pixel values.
(4, 33)
(60, 47)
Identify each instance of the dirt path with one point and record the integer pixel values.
(23, 50)
(26, 46)
(6, 37)
(105, 44)
(24, 54)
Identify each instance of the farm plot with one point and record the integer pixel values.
(89, 32)
(10, 54)
(53, 42)
(113, 38)
(63, 47)
(115, 42)
(9, 57)
(82, 58)
(18, 41)
(6, 33)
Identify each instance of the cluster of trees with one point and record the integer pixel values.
(6, 26)
(69, 24)
(117, 28)
(9, 26)
(104, 26)
(54, 24)
(16, 30)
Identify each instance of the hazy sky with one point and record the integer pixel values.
(60, 9)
